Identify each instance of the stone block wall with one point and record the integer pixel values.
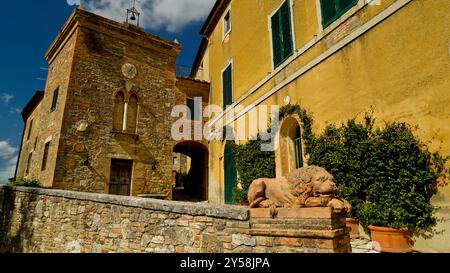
(49, 221)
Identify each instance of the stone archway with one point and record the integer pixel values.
(289, 153)
(194, 188)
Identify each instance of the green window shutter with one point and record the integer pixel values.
(276, 40)
(345, 5)
(227, 87)
(333, 9)
(285, 13)
(329, 11)
(283, 45)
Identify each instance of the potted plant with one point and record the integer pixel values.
(403, 178)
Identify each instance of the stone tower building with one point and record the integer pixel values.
(103, 123)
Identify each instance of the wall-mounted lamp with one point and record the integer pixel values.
(86, 163)
(153, 164)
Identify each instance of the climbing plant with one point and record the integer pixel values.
(307, 123)
(251, 164)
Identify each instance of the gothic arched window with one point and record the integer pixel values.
(125, 113)
(119, 105)
(132, 113)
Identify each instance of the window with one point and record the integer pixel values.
(132, 113)
(30, 128)
(27, 171)
(55, 99)
(298, 149)
(227, 84)
(45, 158)
(193, 110)
(119, 103)
(282, 42)
(125, 113)
(333, 9)
(227, 23)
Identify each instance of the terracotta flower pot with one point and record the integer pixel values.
(390, 240)
(353, 224)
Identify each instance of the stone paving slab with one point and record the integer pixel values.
(361, 245)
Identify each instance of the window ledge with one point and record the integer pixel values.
(124, 133)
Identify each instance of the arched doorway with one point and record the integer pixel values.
(192, 181)
(289, 155)
(230, 173)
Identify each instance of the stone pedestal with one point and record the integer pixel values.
(303, 230)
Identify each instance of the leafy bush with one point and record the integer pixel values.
(240, 195)
(29, 183)
(251, 164)
(387, 174)
(344, 152)
(402, 180)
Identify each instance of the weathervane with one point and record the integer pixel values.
(133, 14)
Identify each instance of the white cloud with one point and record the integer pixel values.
(8, 160)
(170, 15)
(6, 98)
(6, 150)
(14, 110)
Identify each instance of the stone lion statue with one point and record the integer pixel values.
(306, 187)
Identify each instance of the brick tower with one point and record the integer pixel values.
(103, 123)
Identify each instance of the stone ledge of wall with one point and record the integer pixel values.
(194, 209)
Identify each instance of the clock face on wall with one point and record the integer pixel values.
(129, 71)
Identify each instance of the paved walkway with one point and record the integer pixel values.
(362, 245)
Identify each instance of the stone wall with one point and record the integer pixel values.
(38, 220)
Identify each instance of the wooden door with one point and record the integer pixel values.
(120, 181)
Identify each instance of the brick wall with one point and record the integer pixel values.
(38, 220)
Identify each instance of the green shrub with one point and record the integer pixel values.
(402, 180)
(251, 164)
(240, 195)
(344, 152)
(387, 174)
(29, 183)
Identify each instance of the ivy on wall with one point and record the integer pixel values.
(251, 164)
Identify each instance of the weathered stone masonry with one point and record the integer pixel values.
(38, 220)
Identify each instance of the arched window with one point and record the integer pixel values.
(119, 105)
(125, 113)
(132, 113)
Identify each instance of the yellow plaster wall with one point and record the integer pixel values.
(400, 67)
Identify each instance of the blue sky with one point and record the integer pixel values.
(28, 27)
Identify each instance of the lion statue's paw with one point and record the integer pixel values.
(340, 206)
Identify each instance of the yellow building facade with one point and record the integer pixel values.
(391, 56)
